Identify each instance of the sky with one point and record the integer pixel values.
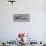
(37, 25)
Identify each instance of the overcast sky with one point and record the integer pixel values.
(37, 25)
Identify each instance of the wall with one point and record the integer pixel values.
(36, 27)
